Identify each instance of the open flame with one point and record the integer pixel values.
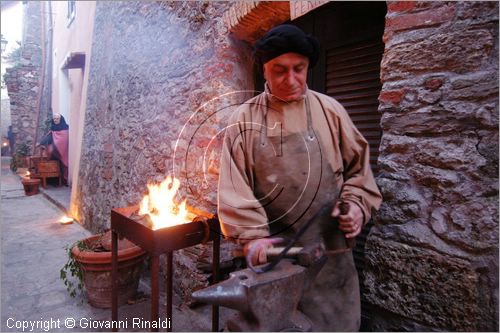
(161, 207)
(65, 220)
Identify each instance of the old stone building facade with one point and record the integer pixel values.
(25, 82)
(163, 77)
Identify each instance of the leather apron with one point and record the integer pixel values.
(292, 181)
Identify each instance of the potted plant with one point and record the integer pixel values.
(20, 158)
(89, 261)
(30, 185)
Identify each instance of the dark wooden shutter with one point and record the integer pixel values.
(353, 79)
(350, 34)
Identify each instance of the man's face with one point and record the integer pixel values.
(57, 119)
(286, 76)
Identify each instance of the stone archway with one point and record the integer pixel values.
(249, 21)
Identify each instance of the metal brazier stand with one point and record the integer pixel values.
(156, 242)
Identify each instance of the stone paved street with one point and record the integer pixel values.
(33, 253)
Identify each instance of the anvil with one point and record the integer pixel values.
(266, 301)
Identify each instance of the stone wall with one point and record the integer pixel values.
(163, 77)
(23, 79)
(158, 71)
(44, 116)
(432, 259)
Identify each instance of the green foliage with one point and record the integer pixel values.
(72, 269)
(46, 125)
(14, 56)
(23, 149)
(13, 164)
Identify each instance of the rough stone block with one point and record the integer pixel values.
(421, 19)
(400, 6)
(447, 118)
(457, 51)
(471, 225)
(391, 96)
(478, 11)
(385, 321)
(434, 290)
(475, 86)
(488, 148)
(449, 153)
(402, 201)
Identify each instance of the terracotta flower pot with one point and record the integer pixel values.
(97, 272)
(30, 186)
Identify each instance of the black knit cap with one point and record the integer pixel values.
(283, 39)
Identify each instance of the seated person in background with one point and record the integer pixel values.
(56, 142)
(12, 140)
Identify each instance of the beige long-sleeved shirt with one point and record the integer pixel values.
(240, 214)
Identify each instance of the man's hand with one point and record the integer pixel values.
(255, 251)
(351, 222)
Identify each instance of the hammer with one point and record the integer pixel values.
(272, 252)
(295, 252)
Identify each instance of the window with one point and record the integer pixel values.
(71, 11)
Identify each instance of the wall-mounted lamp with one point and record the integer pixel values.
(4, 44)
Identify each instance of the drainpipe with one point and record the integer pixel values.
(42, 76)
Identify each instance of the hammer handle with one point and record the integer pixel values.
(351, 242)
(344, 209)
(272, 252)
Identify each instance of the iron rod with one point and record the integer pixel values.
(155, 292)
(170, 275)
(215, 278)
(114, 279)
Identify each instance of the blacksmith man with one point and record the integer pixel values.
(288, 152)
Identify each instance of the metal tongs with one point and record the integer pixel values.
(327, 209)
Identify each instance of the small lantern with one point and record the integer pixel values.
(65, 220)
